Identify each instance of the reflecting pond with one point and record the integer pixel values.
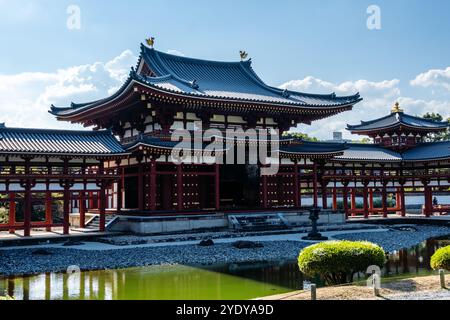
(218, 282)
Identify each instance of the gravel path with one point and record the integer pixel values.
(424, 295)
(23, 261)
(394, 240)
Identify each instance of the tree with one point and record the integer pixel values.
(301, 136)
(440, 136)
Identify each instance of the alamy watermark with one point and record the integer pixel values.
(374, 18)
(74, 17)
(231, 146)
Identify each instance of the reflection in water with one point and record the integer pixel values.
(220, 282)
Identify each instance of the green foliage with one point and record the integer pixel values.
(363, 141)
(6, 298)
(441, 259)
(3, 215)
(360, 204)
(441, 136)
(301, 136)
(337, 261)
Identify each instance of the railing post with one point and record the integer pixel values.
(442, 278)
(376, 281)
(313, 292)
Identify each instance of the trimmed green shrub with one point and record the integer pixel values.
(441, 259)
(338, 261)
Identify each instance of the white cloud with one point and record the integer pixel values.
(419, 106)
(25, 98)
(176, 52)
(378, 99)
(439, 78)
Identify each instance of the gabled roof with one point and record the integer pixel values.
(235, 80)
(205, 79)
(58, 142)
(398, 119)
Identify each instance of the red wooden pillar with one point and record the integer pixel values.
(152, 194)
(102, 207)
(345, 200)
(353, 201)
(66, 206)
(119, 197)
(403, 201)
(120, 187)
(315, 187)
(428, 201)
(122, 194)
(296, 186)
(384, 201)
(12, 212)
(217, 186)
(27, 210)
(335, 205)
(48, 211)
(180, 187)
(371, 199)
(366, 202)
(141, 186)
(324, 196)
(91, 200)
(398, 200)
(82, 208)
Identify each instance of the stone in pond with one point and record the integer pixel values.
(41, 252)
(206, 243)
(247, 245)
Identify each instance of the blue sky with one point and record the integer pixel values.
(316, 46)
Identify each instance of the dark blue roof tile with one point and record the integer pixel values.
(59, 142)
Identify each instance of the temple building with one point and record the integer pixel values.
(400, 159)
(124, 166)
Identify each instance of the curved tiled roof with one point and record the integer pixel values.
(428, 151)
(398, 119)
(59, 142)
(309, 147)
(233, 81)
(373, 152)
(369, 152)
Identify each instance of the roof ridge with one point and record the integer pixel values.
(426, 119)
(55, 130)
(191, 59)
(349, 126)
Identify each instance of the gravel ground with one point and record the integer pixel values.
(424, 295)
(394, 240)
(23, 261)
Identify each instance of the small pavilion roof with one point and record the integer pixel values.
(397, 119)
(224, 81)
(21, 141)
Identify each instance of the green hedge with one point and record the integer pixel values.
(338, 261)
(441, 259)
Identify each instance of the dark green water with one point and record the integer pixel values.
(220, 282)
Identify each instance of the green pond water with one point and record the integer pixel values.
(219, 282)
